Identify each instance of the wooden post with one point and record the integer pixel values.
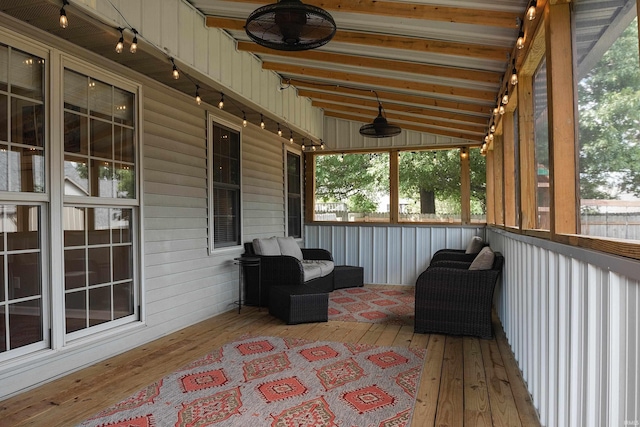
(394, 185)
(528, 184)
(465, 186)
(491, 218)
(499, 179)
(508, 146)
(563, 183)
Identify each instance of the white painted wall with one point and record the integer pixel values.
(572, 319)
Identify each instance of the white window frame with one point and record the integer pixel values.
(287, 150)
(211, 119)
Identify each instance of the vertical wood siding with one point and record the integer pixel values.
(571, 317)
(389, 254)
(177, 27)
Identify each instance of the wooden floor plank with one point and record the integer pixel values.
(424, 413)
(503, 408)
(452, 373)
(450, 410)
(477, 411)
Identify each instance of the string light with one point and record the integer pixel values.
(134, 42)
(262, 125)
(120, 44)
(464, 153)
(531, 12)
(291, 136)
(221, 103)
(501, 110)
(514, 74)
(520, 42)
(505, 98)
(279, 130)
(302, 146)
(493, 128)
(321, 144)
(198, 99)
(175, 73)
(244, 119)
(64, 22)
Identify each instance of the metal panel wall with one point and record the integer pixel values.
(390, 254)
(178, 28)
(571, 318)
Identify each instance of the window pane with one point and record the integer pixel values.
(353, 187)
(75, 269)
(27, 75)
(23, 169)
(124, 181)
(120, 225)
(226, 186)
(101, 139)
(122, 263)
(4, 118)
(226, 220)
(25, 323)
(124, 146)
(99, 305)
(4, 67)
(24, 275)
(74, 226)
(27, 122)
(22, 227)
(609, 123)
(99, 226)
(76, 91)
(541, 131)
(100, 100)
(429, 186)
(76, 134)
(123, 107)
(76, 176)
(122, 300)
(75, 311)
(100, 263)
(2, 295)
(294, 196)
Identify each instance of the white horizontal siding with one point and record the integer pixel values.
(388, 254)
(179, 29)
(571, 318)
(342, 134)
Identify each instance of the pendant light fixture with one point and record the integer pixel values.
(290, 25)
(380, 128)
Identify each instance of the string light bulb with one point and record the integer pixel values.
(262, 125)
(493, 128)
(198, 99)
(279, 130)
(120, 44)
(501, 110)
(244, 119)
(514, 76)
(531, 12)
(134, 43)
(64, 22)
(520, 42)
(175, 73)
(321, 144)
(505, 98)
(463, 153)
(302, 146)
(221, 103)
(291, 136)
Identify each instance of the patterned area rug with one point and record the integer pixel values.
(373, 304)
(280, 382)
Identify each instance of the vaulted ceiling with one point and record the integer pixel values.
(437, 67)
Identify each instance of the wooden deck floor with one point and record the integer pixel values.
(465, 382)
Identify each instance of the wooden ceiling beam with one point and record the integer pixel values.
(309, 89)
(393, 106)
(391, 41)
(472, 138)
(390, 115)
(319, 73)
(429, 12)
(379, 63)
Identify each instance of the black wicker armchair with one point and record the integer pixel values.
(451, 299)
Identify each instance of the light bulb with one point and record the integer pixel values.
(322, 145)
(302, 146)
(244, 119)
(175, 73)
(501, 110)
(520, 42)
(313, 147)
(486, 138)
(198, 99)
(262, 125)
(120, 45)
(463, 153)
(493, 128)
(491, 137)
(505, 98)
(279, 130)
(514, 77)
(221, 103)
(291, 137)
(495, 111)
(134, 45)
(531, 12)
(64, 22)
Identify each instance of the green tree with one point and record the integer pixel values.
(609, 132)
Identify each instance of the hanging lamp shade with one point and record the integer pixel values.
(290, 25)
(380, 128)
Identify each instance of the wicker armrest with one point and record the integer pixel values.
(452, 256)
(450, 264)
(319, 254)
(281, 270)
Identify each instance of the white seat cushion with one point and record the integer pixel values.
(266, 246)
(288, 246)
(316, 268)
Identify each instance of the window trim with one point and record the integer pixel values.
(287, 150)
(211, 119)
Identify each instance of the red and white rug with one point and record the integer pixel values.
(280, 382)
(389, 304)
